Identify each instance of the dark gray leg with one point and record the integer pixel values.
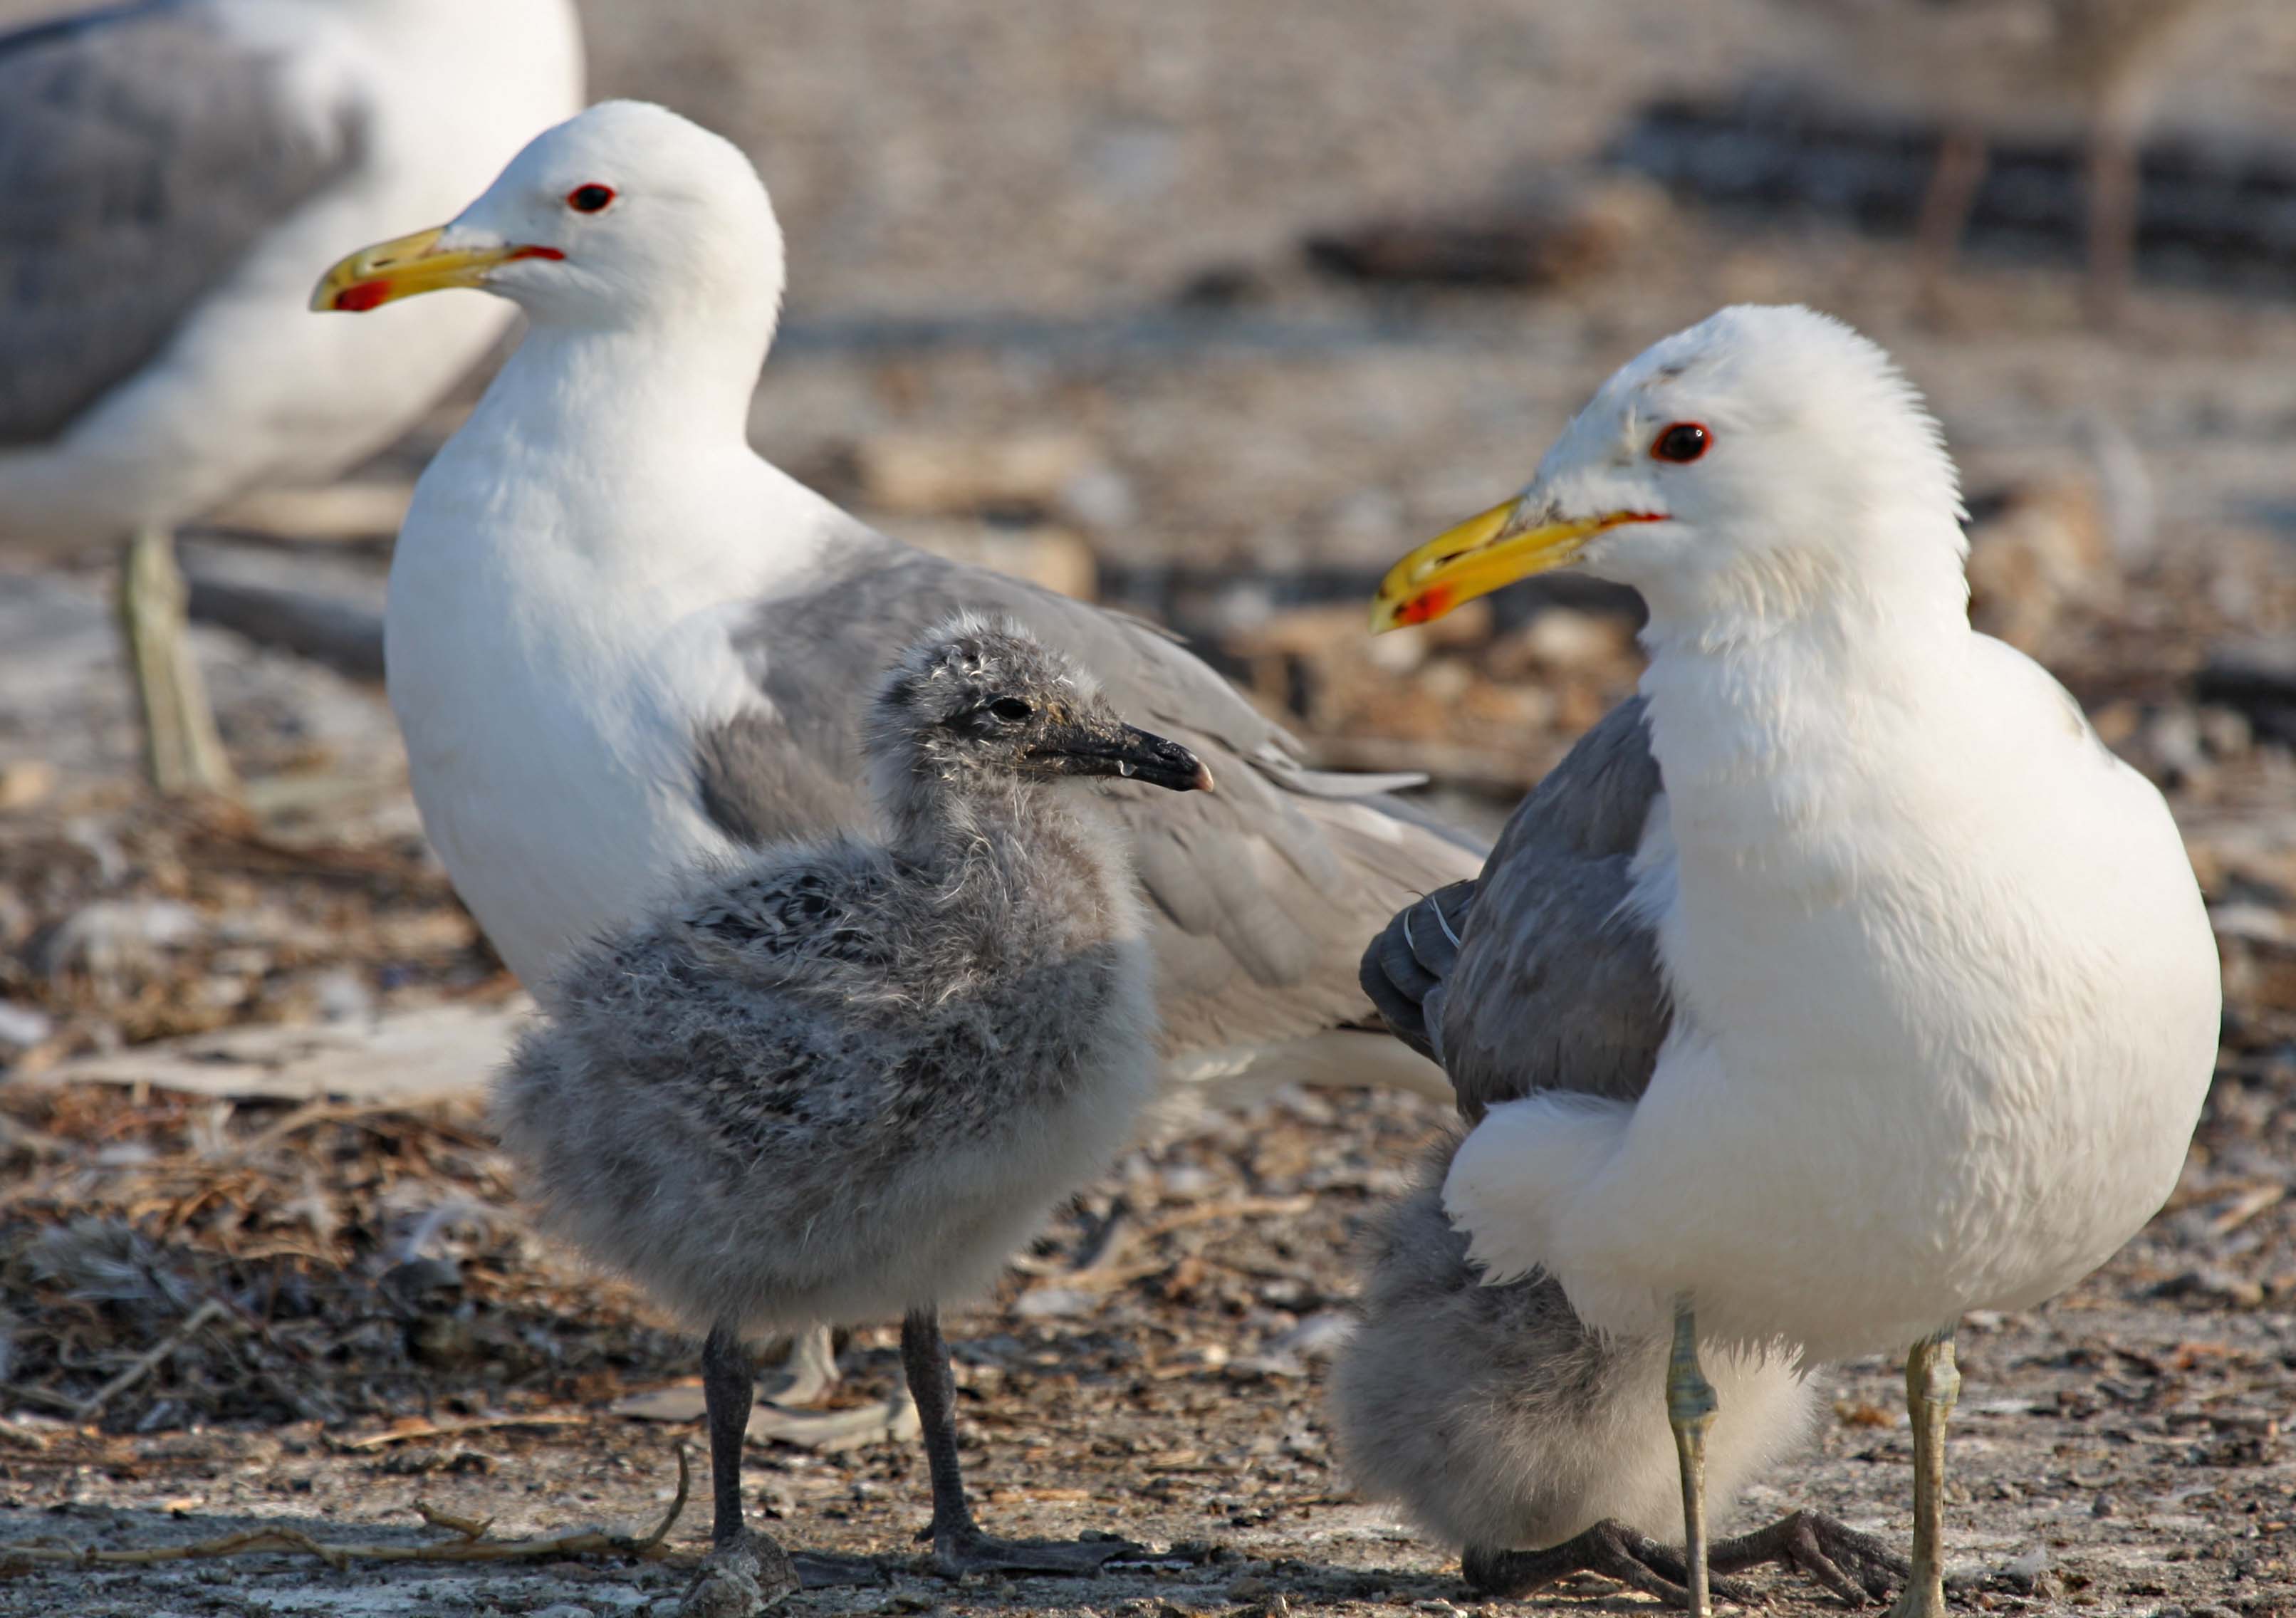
(924, 1359)
(728, 1387)
(959, 1547)
(745, 1572)
(1853, 1566)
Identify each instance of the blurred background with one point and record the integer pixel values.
(1209, 311)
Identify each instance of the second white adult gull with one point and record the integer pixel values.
(1941, 998)
(620, 642)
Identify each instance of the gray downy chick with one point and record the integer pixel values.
(844, 1079)
(1496, 1419)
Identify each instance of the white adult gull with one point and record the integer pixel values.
(1941, 997)
(620, 643)
(171, 173)
(1492, 1413)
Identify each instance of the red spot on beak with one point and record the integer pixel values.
(1421, 609)
(362, 296)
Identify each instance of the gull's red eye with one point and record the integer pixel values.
(589, 199)
(1684, 442)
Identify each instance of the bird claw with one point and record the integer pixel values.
(1855, 1566)
(970, 1551)
(1609, 1549)
(820, 1569)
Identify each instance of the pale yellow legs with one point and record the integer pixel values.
(182, 752)
(1933, 1386)
(1690, 1411)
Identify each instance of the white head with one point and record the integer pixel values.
(1767, 465)
(624, 217)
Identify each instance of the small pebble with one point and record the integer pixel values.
(26, 782)
(1055, 1304)
(23, 1026)
(344, 997)
(112, 934)
(1189, 1182)
(2029, 1570)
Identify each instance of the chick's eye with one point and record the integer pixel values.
(1012, 709)
(1683, 442)
(589, 199)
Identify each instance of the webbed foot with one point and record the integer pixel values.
(1855, 1566)
(968, 1551)
(1611, 1549)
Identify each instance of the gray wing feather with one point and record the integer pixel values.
(1404, 968)
(1536, 976)
(1259, 891)
(760, 787)
(142, 152)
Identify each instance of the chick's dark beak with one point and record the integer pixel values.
(1120, 750)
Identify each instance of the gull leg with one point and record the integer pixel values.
(2113, 182)
(182, 754)
(745, 1572)
(812, 1372)
(726, 1387)
(1945, 207)
(1933, 1386)
(959, 1547)
(1689, 1412)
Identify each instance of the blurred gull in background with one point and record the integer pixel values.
(172, 175)
(1987, 67)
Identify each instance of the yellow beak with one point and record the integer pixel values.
(1488, 550)
(407, 265)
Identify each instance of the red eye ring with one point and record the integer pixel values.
(1682, 442)
(592, 198)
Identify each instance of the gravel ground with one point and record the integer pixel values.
(2119, 1451)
